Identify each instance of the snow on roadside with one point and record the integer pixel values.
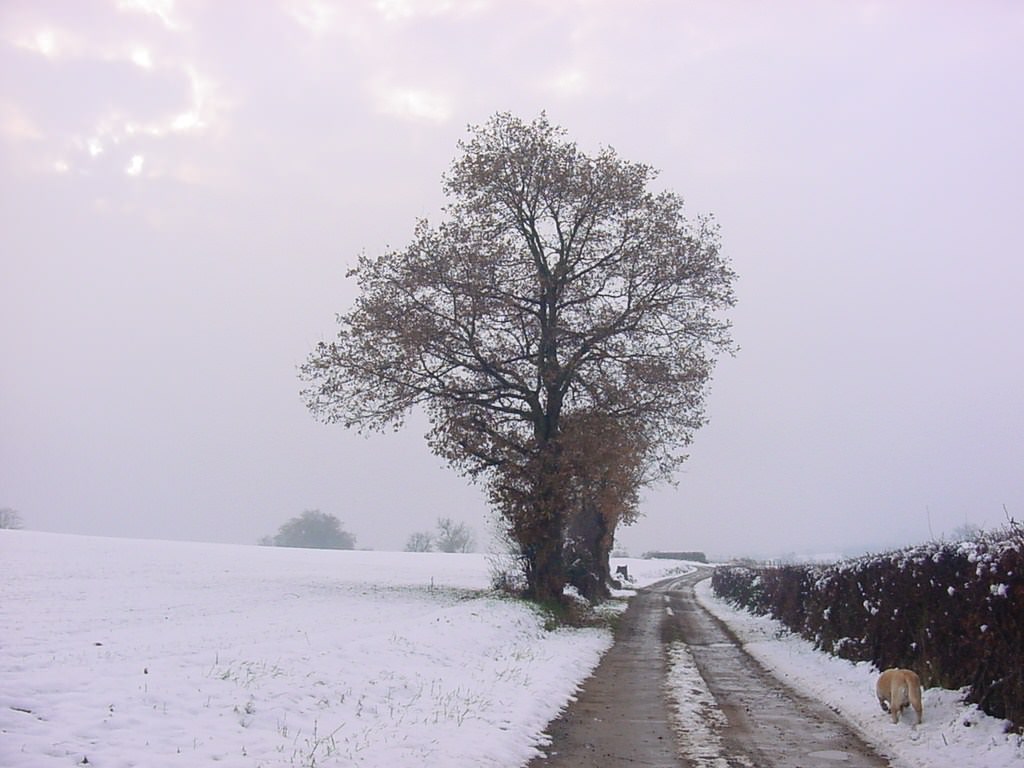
(952, 733)
(149, 653)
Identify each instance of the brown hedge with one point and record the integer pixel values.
(954, 612)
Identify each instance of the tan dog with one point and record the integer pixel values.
(898, 688)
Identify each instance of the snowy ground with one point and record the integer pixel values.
(149, 653)
(952, 734)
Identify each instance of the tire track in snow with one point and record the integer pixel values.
(697, 718)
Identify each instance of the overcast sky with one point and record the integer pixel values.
(184, 184)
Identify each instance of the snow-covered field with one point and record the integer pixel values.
(150, 653)
(125, 653)
(952, 733)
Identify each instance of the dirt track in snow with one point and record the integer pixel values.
(622, 716)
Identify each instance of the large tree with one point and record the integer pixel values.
(558, 283)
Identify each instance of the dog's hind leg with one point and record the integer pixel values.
(897, 701)
(915, 702)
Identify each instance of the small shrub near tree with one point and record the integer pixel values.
(312, 529)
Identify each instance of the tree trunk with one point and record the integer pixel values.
(602, 554)
(546, 573)
(542, 534)
(589, 547)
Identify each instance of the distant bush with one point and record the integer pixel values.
(953, 612)
(312, 529)
(9, 518)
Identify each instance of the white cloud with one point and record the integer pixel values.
(416, 104)
(400, 10)
(186, 121)
(48, 41)
(162, 9)
(61, 43)
(141, 57)
(45, 43)
(204, 107)
(134, 168)
(16, 125)
(568, 82)
(117, 128)
(314, 15)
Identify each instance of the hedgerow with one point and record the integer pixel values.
(951, 611)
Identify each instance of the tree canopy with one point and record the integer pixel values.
(557, 285)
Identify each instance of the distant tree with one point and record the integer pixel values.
(421, 541)
(9, 518)
(312, 529)
(453, 536)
